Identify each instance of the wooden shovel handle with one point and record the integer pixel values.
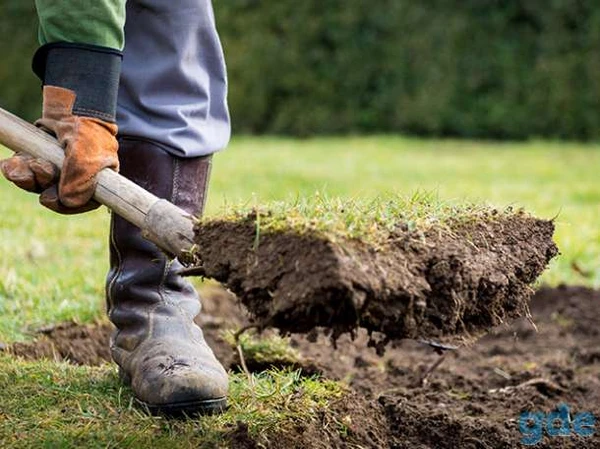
(161, 222)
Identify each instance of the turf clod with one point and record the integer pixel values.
(437, 275)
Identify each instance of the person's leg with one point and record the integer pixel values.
(173, 84)
(172, 115)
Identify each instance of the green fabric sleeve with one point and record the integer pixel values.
(95, 22)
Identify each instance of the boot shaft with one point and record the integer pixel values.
(141, 278)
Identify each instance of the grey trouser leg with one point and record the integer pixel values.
(173, 83)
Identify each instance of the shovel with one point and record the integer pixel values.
(161, 222)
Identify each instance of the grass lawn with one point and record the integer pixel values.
(52, 405)
(52, 267)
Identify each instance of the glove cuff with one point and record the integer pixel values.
(90, 71)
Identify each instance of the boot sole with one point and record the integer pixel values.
(183, 409)
(180, 409)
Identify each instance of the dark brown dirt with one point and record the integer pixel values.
(457, 281)
(473, 399)
(71, 342)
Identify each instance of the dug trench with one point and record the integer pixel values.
(473, 399)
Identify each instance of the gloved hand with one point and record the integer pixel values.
(79, 101)
(90, 145)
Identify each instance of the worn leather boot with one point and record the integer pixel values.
(160, 351)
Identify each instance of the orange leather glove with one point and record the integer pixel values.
(90, 145)
(79, 108)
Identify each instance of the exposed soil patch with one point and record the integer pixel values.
(473, 399)
(453, 281)
(71, 342)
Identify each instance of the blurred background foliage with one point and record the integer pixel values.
(506, 69)
(20, 90)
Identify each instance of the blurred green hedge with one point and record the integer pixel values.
(475, 68)
(20, 90)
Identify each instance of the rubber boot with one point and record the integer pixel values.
(159, 349)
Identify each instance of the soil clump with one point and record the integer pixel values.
(450, 282)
